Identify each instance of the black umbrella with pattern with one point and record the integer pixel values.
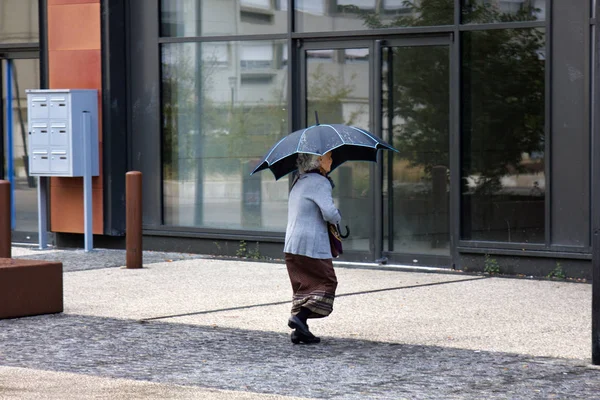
(347, 143)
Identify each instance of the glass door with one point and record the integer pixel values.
(336, 83)
(415, 112)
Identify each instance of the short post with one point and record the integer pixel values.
(5, 220)
(133, 225)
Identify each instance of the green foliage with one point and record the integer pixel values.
(255, 253)
(557, 272)
(490, 265)
(242, 250)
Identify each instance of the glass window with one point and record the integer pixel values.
(220, 117)
(338, 89)
(348, 15)
(19, 21)
(25, 74)
(486, 11)
(185, 18)
(503, 184)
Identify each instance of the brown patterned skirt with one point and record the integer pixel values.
(313, 282)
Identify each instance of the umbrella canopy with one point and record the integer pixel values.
(347, 143)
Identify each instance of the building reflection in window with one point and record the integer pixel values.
(19, 21)
(220, 116)
(188, 18)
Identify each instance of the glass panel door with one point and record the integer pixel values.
(416, 121)
(337, 86)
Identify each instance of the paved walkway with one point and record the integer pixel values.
(187, 327)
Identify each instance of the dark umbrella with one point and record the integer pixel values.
(347, 143)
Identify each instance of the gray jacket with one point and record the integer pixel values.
(310, 205)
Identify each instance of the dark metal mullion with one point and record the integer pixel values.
(376, 112)
(454, 157)
(504, 25)
(294, 79)
(295, 65)
(390, 155)
(548, 130)
(344, 35)
(26, 46)
(595, 206)
(223, 38)
(43, 43)
(457, 13)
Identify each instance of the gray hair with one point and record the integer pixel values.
(307, 162)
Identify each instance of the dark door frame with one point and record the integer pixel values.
(440, 39)
(375, 46)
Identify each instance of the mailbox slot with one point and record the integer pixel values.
(59, 161)
(40, 162)
(58, 108)
(38, 107)
(58, 134)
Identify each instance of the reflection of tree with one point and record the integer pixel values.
(503, 91)
(327, 94)
(412, 13)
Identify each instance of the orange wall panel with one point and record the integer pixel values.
(75, 69)
(75, 62)
(67, 209)
(81, 18)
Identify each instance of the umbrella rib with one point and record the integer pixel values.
(336, 131)
(301, 136)
(272, 150)
(367, 134)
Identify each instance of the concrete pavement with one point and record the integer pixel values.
(187, 326)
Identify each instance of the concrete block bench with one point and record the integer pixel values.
(30, 287)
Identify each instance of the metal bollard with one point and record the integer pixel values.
(133, 225)
(5, 228)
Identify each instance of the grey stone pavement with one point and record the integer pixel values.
(193, 327)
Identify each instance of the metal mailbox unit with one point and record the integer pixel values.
(56, 131)
(63, 142)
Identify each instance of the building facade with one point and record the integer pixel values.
(488, 102)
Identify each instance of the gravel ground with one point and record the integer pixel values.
(187, 326)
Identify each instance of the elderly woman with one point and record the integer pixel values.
(307, 250)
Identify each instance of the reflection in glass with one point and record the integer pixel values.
(416, 122)
(26, 75)
(19, 21)
(186, 18)
(349, 15)
(224, 106)
(338, 89)
(485, 11)
(503, 182)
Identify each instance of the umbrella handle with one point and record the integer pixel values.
(347, 232)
